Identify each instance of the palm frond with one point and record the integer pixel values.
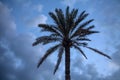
(48, 52)
(95, 50)
(70, 22)
(67, 12)
(83, 33)
(59, 59)
(80, 29)
(55, 35)
(61, 19)
(83, 39)
(74, 13)
(79, 43)
(57, 19)
(54, 17)
(45, 40)
(90, 27)
(86, 33)
(81, 17)
(49, 28)
(67, 15)
(85, 24)
(79, 49)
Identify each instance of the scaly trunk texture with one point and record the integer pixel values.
(67, 63)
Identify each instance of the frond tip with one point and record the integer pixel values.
(48, 52)
(79, 49)
(59, 59)
(95, 50)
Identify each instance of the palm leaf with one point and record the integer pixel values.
(79, 49)
(67, 16)
(49, 28)
(90, 27)
(70, 21)
(86, 33)
(55, 36)
(81, 17)
(59, 59)
(61, 19)
(67, 13)
(79, 43)
(48, 52)
(83, 39)
(57, 21)
(74, 13)
(83, 33)
(85, 23)
(54, 17)
(81, 27)
(45, 40)
(95, 50)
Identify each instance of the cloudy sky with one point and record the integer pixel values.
(18, 30)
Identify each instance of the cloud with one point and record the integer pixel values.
(4, 15)
(37, 20)
(38, 7)
(116, 61)
(33, 7)
(83, 71)
(70, 3)
(30, 14)
(18, 59)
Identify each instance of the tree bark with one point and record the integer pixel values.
(67, 63)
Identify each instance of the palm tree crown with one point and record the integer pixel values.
(68, 30)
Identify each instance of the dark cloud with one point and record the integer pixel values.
(84, 71)
(116, 60)
(106, 14)
(18, 59)
(5, 21)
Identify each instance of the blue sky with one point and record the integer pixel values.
(18, 30)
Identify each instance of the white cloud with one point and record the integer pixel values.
(37, 20)
(17, 56)
(38, 7)
(32, 7)
(113, 66)
(5, 20)
(70, 3)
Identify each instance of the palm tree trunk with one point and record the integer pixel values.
(67, 63)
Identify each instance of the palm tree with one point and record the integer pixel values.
(68, 31)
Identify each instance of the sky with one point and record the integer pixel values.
(19, 21)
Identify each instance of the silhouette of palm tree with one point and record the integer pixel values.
(68, 30)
